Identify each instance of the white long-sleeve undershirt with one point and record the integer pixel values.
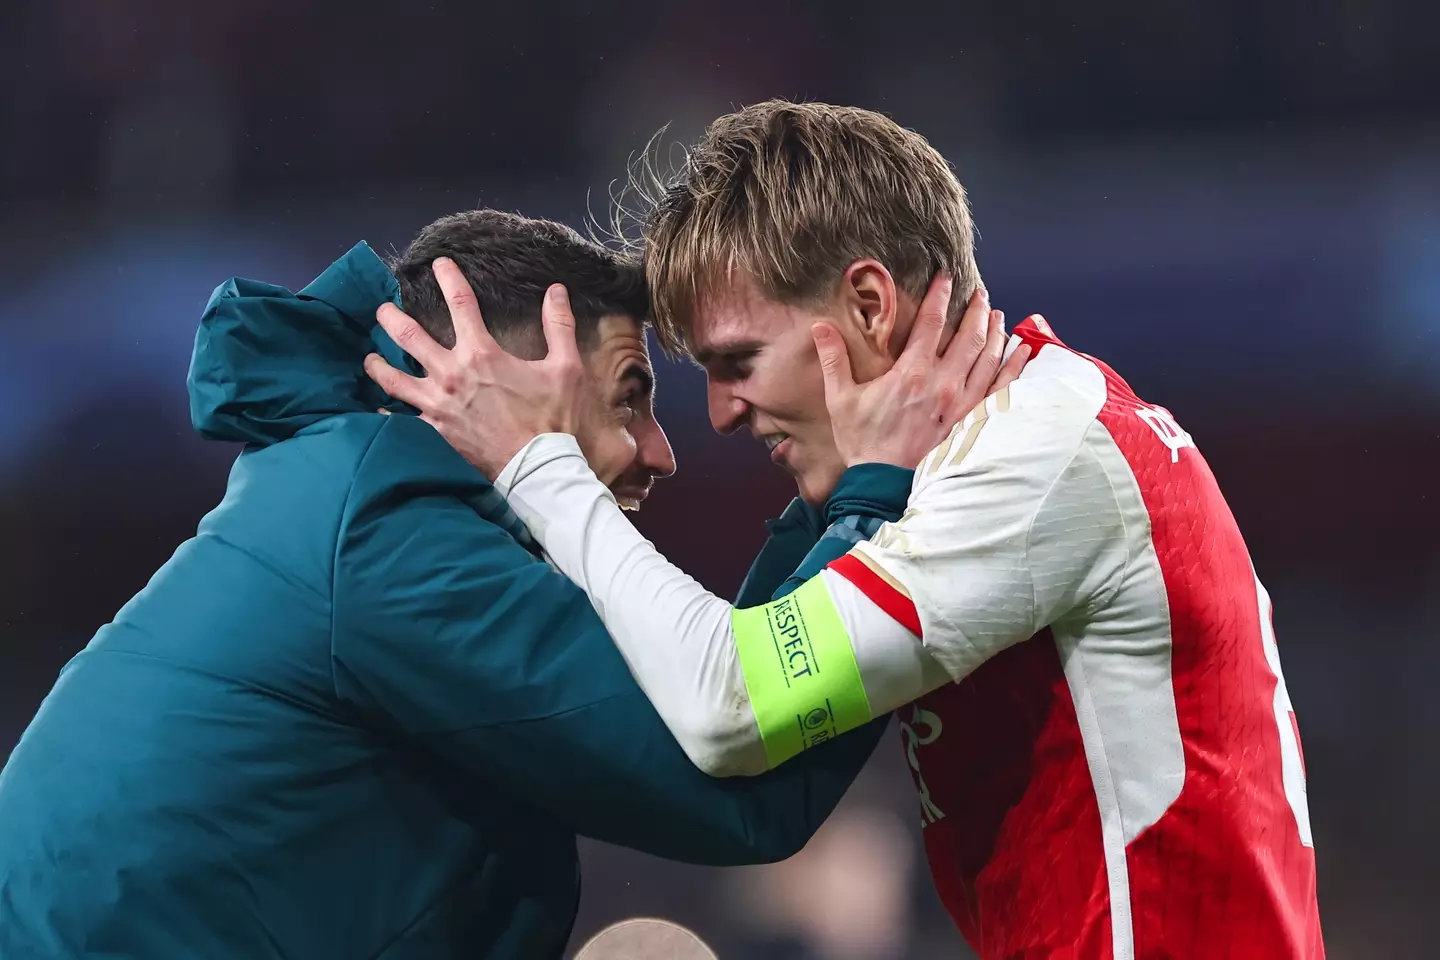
(675, 635)
(1012, 524)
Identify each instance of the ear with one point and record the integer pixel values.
(870, 304)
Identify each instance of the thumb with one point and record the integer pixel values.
(834, 359)
(559, 325)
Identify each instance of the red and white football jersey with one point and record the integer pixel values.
(1117, 772)
(1107, 760)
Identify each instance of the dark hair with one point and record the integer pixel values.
(510, 261)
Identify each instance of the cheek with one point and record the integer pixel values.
(804, 387)
(614, 453)
(793, 388)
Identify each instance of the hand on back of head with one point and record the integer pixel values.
(487, 403)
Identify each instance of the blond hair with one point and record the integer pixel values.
(791, 194)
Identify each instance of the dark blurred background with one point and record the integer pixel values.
(1234, 202)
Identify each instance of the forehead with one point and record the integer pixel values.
(618, 337)
(737, 317)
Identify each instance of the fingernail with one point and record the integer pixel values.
(439, 260)
(983, 294)
(556, 292)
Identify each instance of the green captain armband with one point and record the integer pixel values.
(800, 671)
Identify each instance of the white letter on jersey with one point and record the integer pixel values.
(929, 813)
(1165, 427)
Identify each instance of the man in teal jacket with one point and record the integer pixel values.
(356, 716)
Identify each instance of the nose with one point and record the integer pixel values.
(652, 448)
(727, 411)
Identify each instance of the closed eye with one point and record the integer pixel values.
(732, 367)
(637, 389)
(728, 362)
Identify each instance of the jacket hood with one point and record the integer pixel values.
(268, 363)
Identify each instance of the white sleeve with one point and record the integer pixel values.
(1012, 525)
(676, 636)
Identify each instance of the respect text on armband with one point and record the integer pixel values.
(815, 721)
(800, 671)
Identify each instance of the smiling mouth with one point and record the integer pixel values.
(779, 446)
(773, 440)
(630, 498)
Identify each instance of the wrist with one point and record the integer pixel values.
(542, 449)
(494, 464)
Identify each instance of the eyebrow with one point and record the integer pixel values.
(708, 354)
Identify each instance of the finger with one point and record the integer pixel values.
(1012, 368)
(410, 336)
(970, 338)
(403, 387)
(924, 342)
(559, 323)
(470, 329)
(983, 370)
(834, 360)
